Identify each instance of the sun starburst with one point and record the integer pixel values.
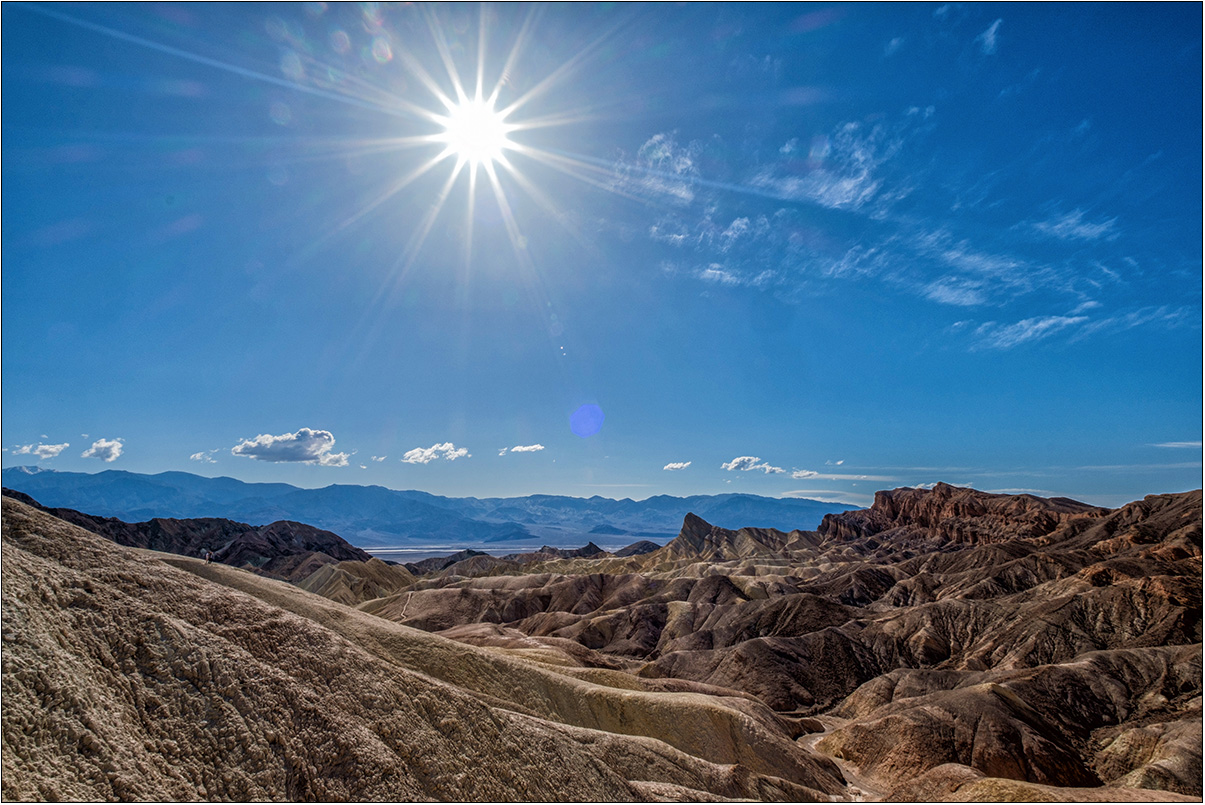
(475, 132)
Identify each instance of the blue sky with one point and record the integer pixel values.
(811, 250)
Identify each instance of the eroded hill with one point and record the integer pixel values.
(1042, 641)
(130, 674)
(943, 644)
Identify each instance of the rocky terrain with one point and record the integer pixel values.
(132, 674)
(945, 644)
(282, 549)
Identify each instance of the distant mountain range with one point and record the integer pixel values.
(373, 516)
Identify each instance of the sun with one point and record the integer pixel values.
(475, 132)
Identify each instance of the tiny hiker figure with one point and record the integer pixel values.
(208, 556)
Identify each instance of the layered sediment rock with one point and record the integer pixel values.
(945, 643)
(139, 675)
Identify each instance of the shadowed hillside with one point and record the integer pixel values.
(943, 644)
(136, 675)
(943, 626)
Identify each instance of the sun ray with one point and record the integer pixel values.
(397, 109)
(481, 37)
(469, 216)
(584, 172)
(424, 78)
(414, 245)
(445, 55)
(520, 38)
(387, 194)
(561, 72)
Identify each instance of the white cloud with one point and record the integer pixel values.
(531, 448)
(747, 463)
(843, 172)
(379, 458)
(993, 335)
(716, 273)
(893, 46)
(1072, 226)
(425, 455)
(41, 450)
(105, 449)
(1162, 315)
(306, 446)
(1179, 445)
(1005, 336)
(828, 476)
(955, 291)
(831, 495)
(205, 457)
(662, 168)
(733, 233)
(677, 465)
(988, 39)
(834, 463)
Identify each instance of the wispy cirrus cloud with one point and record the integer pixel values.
(1179, 445)
(722, 235)
(841, 169)
(988, 41)
(1180, 465)
(829, 476)
(748, 463)
(992, 335)
(1162, 315)
(204, 456)
(677, 465)
(662, 169)
(955, 291)
(1072, 226)
(425, 455)
(832, 495)
(305, 446)
(107, 450)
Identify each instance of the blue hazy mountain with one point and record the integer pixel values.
(373, 516)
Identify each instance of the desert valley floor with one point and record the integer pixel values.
(945, 644)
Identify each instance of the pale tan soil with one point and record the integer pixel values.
(946, 646)
(125, 677)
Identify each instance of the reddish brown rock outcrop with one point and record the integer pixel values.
(954, 514)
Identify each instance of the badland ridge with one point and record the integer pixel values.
(944, 644)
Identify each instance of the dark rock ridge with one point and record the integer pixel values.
(282, 549)
(437, 563)
(638, 548)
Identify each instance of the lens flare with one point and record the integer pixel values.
(586, 420)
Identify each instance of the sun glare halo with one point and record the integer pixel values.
(475, 132)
